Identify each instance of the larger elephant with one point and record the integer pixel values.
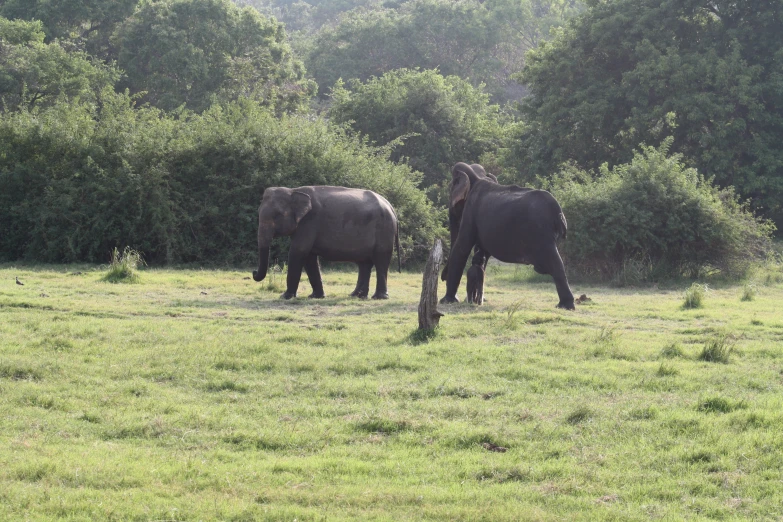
(455, 214)
(510, 223)
(336, 223)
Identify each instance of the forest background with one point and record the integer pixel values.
(155, 124)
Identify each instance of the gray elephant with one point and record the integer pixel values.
(510, 223)
(336, 223)
(455, 215)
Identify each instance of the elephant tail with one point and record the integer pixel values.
(397, 242)
(561, 227)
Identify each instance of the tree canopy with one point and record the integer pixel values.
(190, 52)
(479, 42)
(85, 24)
(34, 73)
(709, 73)
(443, 119)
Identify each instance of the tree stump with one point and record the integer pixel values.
(428, 305)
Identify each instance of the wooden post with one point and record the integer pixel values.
(428, 305)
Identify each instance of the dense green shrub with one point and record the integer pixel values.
(443, 119)
(123, 267)
(77, 181)
(656, 217)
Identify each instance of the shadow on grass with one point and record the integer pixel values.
(423, 335)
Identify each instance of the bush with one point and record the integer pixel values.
(123, 267)
(657, 217)
(77, 181)
(694, 296)
(718, 349)
(442, 120)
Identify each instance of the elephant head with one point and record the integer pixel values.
(279, 215)
(463, 177)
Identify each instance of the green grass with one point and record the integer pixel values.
(748, 292)
(718, 349)
(124, 266)
(199, 395)
(694, 296)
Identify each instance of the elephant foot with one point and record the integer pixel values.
(566, 306)
(316, 296)
(384, 295)
(449, 299)
(287, 295)
(361, 294)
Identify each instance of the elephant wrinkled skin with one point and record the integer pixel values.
(336, 223)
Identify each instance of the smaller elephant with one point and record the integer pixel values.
(336, 223)
(475, 281)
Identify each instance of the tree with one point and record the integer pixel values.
(35, 74)
(443, 119)
(86, 24)
(710, 73)
(483, 43)
(190, 52)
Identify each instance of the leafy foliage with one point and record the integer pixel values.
(85, 25)
(479, 42)
(187, 52)
(630, 71)
(34, 74)
(442, 120)
(656, 209)
(77, 182)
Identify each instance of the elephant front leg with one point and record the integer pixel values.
(457, 260)
(295, 265)
(363, 283)
(313, 270)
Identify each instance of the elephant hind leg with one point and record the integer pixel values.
(554, 266)
(382, 263)
(362, 289)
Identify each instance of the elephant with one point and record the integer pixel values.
(336, 223)
(510, 223)
(475, 280)
(455, 214)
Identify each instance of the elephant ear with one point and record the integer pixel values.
(479, 170)
(301, 205)
(460, 186)
(482, 173)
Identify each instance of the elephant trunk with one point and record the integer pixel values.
(263, 257)
(263, 264)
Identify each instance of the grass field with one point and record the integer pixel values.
(199, 395)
